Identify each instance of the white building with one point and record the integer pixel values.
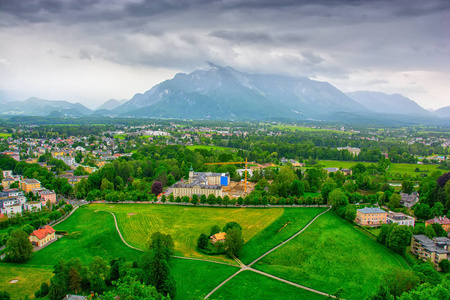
(36, 205)
(400, 219)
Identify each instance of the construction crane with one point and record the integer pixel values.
(235, 163)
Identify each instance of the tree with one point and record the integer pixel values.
(234, 241)
(337, 199)
(19, 248)
(202, 241)
(133, 289)
(27, 228)
(439, 230)
(444, 265)
(437, 210)
(297, 188)
(215, 229)
(230, 225)
(74, 279)
(398, 281)
(394, 201)
(427, 273)
(399, 238)
(407, 186)
(327, 187)
(194, 199)
(429, 232)
(422, 211)
(4, 295)
(157, 188)
(350, 213)
(98, 271)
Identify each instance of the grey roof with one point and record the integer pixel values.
(429, 245)
(371, 210)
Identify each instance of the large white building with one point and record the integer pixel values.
(400, 219)
(202, 183)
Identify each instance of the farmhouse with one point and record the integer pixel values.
(218, 237)
(370, 216)
(42, 236)
(444, 221)
(435, 249)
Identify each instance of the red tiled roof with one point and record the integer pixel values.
(43, 232)
(441, 220)
(2, 216)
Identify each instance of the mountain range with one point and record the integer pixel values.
(225, 93)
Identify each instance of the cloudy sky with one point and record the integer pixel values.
(93, 50)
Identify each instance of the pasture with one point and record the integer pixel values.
(408, 169)
(5, 135)
(303, 128)
(252, 286)
(290, 222)
(209, 148)
(29, 279)
(330, 255)
(137, 222)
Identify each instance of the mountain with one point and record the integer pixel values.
(111, 104)
(443, 112)
(388, 104)
(224, 93)
(40, 107)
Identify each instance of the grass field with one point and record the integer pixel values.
(29, 279)
(206, 147)
(331, 254)
(290, 222)
(340, 164)
(5, 135)
(302, 128)
(198, 277)
(409, 169)
(185, 223)
(252, 286)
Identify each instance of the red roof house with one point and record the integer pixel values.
(42, 236)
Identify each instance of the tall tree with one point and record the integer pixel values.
(234, 241)
(19, 249)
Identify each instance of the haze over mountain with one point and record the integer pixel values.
(388, 104)
(40, 107)
(225, 93)
(443, 112)
(111, 104)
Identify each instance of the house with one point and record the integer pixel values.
(400, 219)
(48, 196)
(28, 185)
(33, 206)
(408, 200)
(435, 249)
(12, 210)
(218, 237)
(444, 221)
(331, 170)
(6, 183)
(7, 174)
(347, 172)
(42, 236)
(370, 216)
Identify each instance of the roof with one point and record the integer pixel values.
(2, 216)
(220, 236)
(43, 232)
(441, 220)
(371, 210)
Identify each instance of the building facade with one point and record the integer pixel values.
(435, 249)
(400, 219)
(371, 216)
(42, 236)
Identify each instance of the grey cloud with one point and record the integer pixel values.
(83, 54)
(242, 36)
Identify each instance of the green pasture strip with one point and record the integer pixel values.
(289, 223)
(252, 286)
(331, 254)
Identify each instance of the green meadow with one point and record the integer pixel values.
(331, 254)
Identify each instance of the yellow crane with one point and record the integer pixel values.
(235, 163)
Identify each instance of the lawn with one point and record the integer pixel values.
(289, 223)
(331, 254)
(198, 277)
(98, 237)
(302, 128)
(5, 135)
(29, 279)
(249, 285)
(408, 169)
(206, 147)
(340, 164)
(137, 222)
